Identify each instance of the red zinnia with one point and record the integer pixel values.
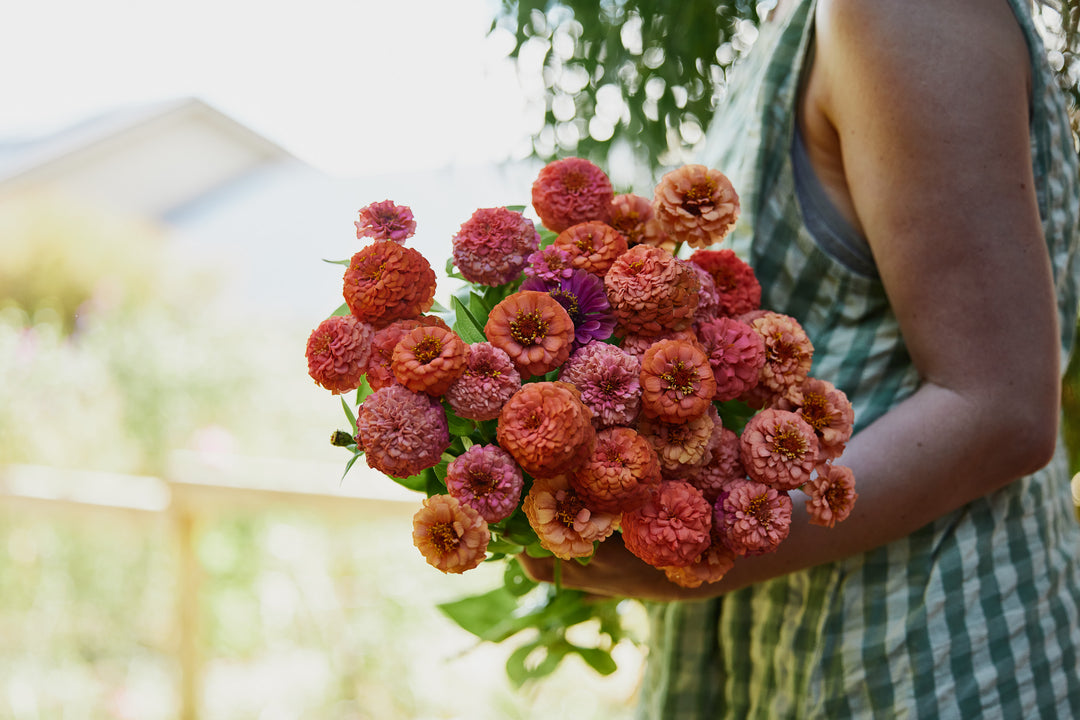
(737, 287)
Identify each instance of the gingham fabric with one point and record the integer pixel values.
(975, 615)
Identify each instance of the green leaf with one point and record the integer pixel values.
(515, 208)
(363, 391)
(599, 660)
(349, 414)
(418, 482)
(343, 309)
(498, 545)
(344, 262)
(466, 325)
(518, 668)
(352, 461)
(459, 426)
(491, 616)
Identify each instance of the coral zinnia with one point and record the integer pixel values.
(609, 380)
(651, 292)
(386, 221)
(831, 495)
(632, 215)
(737, 287)
(618, 474)
(711, 566)
(677, 382)
(486, 479)
(545, 427)
(593, 246)
(679, 445)
(582, 296)
(571, 191)
(636, 345)
(429, 359)
(493, 246)
(696, 205)
(338, 351)
(401, 432)
(379, 372)
(736, 355)
(450, 535)
(565, 525)
(487, 383)
(788, 354)
(672, 528)
(827, 410)
(533, 329)
(779, 449)
(386, 282)
(752, 518)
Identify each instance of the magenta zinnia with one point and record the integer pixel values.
(696, 205)
(672, 528)
(487, 383)
(571, 191)
(450, 535)
(486, 479)
(401, 432)
(386, 221)
(338, 351)
(550, 264)
(493, 246)
(609, 380)
(779, 449)
(565, 525)
(752, 518)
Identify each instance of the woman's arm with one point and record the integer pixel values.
(927, 104)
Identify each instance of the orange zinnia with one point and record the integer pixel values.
(429, 359)
(533, 329)
(677, 382)
(546, 428)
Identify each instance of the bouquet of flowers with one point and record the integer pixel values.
(586, 381)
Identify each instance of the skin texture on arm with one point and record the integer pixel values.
(916, 118)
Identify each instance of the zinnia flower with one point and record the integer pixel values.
(736, 355)
(609, 380)
(827, 410)
(711, 566)
(533, 329)
(450, 535)
(779, 449)
(723, 466)
(486, 479)
(618, 474)
(677, 382)
(571, 191)
(752, 519)
(651, 292)
(831, 495)
(387, 282)
(708, 296)
(338, 351)
(550, 264)
(493, 246)
(386, 221)
(565, 525)
(379, 371)
(582, 296)
(402, 432)
(546, 429)
(429, 359)
(672, 528)
(632, 215)
(593, 246)
(487, 383)
(788, 354)
(696, 205)
(636, 345)
(679, 446)
(737, 288)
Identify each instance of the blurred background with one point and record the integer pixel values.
(176, 537)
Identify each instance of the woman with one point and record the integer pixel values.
(909, 187)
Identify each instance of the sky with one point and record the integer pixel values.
(354, 87)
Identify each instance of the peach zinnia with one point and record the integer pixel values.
(379, 371)
(429, 359)
(592, 246)
(827, 410)
(450, 535)
(386, 282)
(752, 518)
(338, 351)
(672, 528)
(789, 355)
(831, 495)
(565, 525)
(620, 471)
(546, 428)
(633, 216)
(711, 566)
(696, 205)
(571, 191)
(651, 292)
(677, 382)
(679, 446)
(533, 329)
(779, 449)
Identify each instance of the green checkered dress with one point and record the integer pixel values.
(975, 615)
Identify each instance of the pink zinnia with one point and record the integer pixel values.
(672, 528)
(736, 354)
(620, 471)
(632, 215)
(827, 410)
(401, 432)
(609, 381)
(711, 566)
(708, 296)
(831, 495)
(651, 292)
(386, 221)
(338, 351)
(751, 518)
(723, 466)
(493, 246)
(636, 345)
(679, 445)
(486, 479)
(550, 264)
(737, 288)
(696, 205)
(450, 535)
(788, 355)
(571, 191)
(593, 246)
(429, 359)
(487, 383)
(677, 382)
(565, 525)
(779, 449)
